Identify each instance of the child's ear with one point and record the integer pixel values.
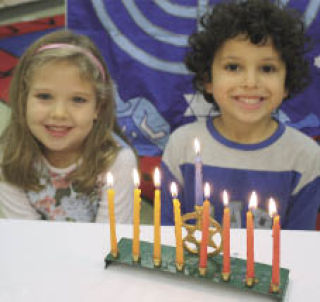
(98, 108)
(208, 87)
(96, 114)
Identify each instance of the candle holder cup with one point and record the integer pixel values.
(274, 288)
(179, 267)
(225, 276)
(251, 281)
(136, 258)
(157, 262)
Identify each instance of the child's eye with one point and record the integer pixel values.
(78, 99)
(44, 96)
(232, 67)
(268, 68)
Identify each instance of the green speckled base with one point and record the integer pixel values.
(213, 273)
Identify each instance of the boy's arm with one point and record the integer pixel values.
(166, 198)
(304, 207)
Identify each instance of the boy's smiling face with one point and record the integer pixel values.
(247, 82)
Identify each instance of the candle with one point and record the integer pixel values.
(178, 226)
(205, 231)
(226, 238)
(112, 220)
(250, 240)
(275, 280)
(198, 186)
(136, 217)
(157, 220)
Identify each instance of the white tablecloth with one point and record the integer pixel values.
(52, 261)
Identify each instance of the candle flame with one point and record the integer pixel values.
(157, 177)
(136, 179)
(253, 203)
(225, 198)
(206, 190)
(272, 207)
(174, 190)
(109, 179)
(197, 146)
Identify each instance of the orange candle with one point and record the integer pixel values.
(275, 280)
(250, 239)
(205, 231)
(112, 220)
(136, 217)
(178, 227)
(226, 237)
(157, 220)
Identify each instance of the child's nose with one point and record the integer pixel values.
(251, 78)
(59, 109)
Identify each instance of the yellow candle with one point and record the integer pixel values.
(157, 220)
(136, 217)
(112, 220)
(178, 225)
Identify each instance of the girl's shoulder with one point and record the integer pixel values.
(126, 155)
(122, 167)
(120, 141)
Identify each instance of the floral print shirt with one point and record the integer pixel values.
(60, 200)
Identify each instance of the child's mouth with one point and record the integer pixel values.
(249, 102)
(58, 131)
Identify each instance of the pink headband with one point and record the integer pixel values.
(86, 52)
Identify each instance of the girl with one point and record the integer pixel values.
(62, 137)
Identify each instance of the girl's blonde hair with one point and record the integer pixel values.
(21, 150)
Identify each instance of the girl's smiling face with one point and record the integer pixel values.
(247, 82)
(61, 109)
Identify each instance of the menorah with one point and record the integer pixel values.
(192, 223)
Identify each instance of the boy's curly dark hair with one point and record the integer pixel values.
(259, 20)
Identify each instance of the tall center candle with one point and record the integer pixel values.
(136, 217)
(226, 238)
(250, 240)
(112, 220)
(275, 281)
(198, 184)
(205, 232)
(178, 227)
(157, 219)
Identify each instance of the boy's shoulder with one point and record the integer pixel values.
(300, 141)
(192, 130)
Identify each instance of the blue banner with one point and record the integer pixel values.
(144, 43)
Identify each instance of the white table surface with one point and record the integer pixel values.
(54, 261)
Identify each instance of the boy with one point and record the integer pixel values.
(248, 58)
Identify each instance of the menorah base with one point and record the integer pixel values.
(237, 278)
